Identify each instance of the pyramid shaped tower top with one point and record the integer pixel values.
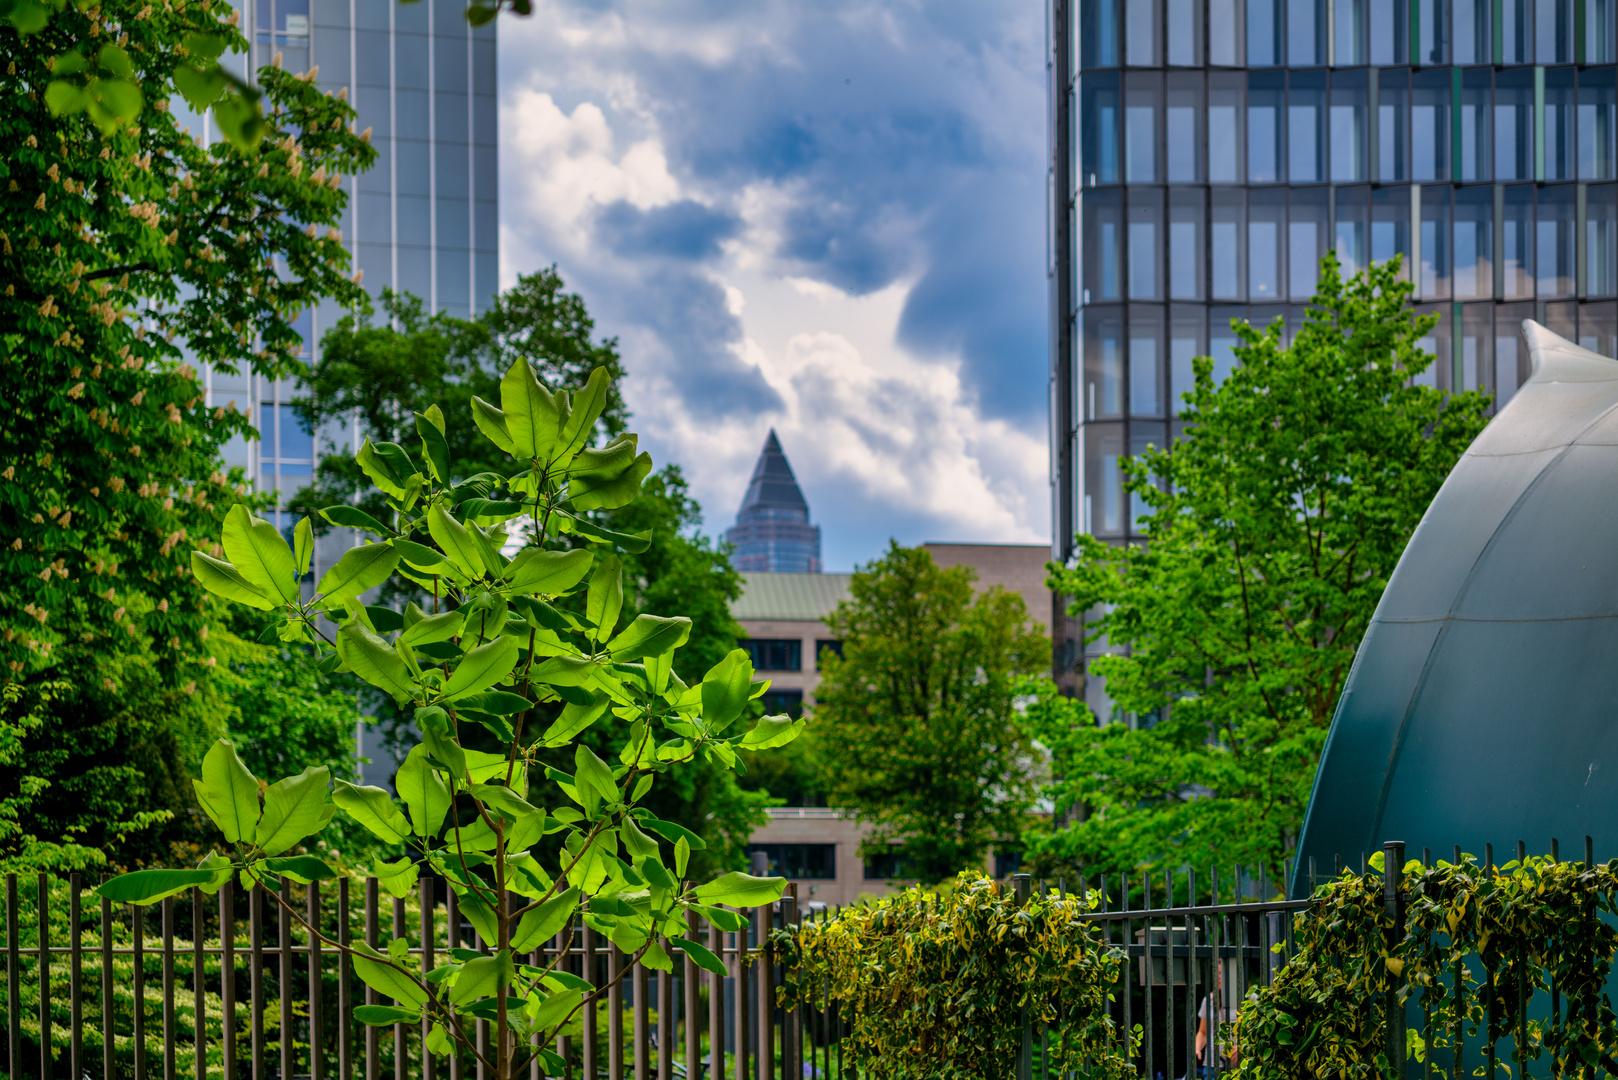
(772, 531)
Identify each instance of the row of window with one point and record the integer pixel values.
(1509, 242)
(1344, 33)
(818, 862)
(785, 654)
(1316, 127)
(1476, 346)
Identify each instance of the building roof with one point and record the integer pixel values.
(773, 486)
(790, 596)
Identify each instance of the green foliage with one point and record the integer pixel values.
(933, 985)
(386, 373)
(1479, 943)
(1273, 525)
(530, 650)
(916, 724)
(117, 250)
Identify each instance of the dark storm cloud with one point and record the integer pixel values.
(681, 230)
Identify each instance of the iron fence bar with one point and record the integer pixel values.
(13, 991)
(373, 1034)
(693, 1023)
(137, 920)
(400, 1063)
(108, 1016)
(345, 986)
(283, 979)
(452, 941)
(227, 978)
(168, 987)
(255, 975)
(199, 992)
(317, 986)
(716, 1009)
(591, 1051)
(44, 914)
(740, 1027)
(638, 1044)
(792, 1016)
(427, 897)
(75, 1008)
(615, 1014)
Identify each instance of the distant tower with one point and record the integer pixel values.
(772, 531)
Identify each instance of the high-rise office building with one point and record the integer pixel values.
(423, 219)
(1207, 153)
(772, 531)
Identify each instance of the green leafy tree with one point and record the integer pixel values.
(497, 641)
(1274, 523)
(916, 724)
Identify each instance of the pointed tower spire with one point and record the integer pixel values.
(772, 531)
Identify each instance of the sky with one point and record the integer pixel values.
(825, 218)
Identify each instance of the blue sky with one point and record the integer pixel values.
(824, 218)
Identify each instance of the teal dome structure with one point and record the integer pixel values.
(1482, 706)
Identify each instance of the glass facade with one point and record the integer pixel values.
(1207, 153)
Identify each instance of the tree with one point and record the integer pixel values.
(495, 643)
(1274, 523)
(130, 252)
(385, 373)
(916, 723)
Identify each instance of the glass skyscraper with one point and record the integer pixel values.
(1207, 153)
(423, 219)
(772, 533)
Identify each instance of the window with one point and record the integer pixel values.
(1306, 33)
(1390, 226)
(1348, 127)
(1560, 159)
(1263, 33)
(774, 654)
(1477, 347)
(1601, 241)
(1103, 363)
(1430, 134)
(1435, 243)
(1306, 108)
(1474, 243)
(1185, 32)
(1145, 227)
(1598, 36)
(1140, 33)
(1186, 333)
(1006, 863)
(1103, 243)
(1509, 366)
(1266, 217)
(1098, 127)
(1265, 99)
(1350, 32)
(827, 645)
(1225, 114)
(1553, 241)
(1516, 32)
(1349, 241)
(885, 866)
(1390, 30)
(1306, 241)
(777, 702)
(1227, 235)
(1145, 361)
(1225, 33)
(1392, 126)
(1185, 245)
(1596, 124)
(1432, 33)
(1472, 22)
(1104, 482)
(1098, 34)
(1140, 128)
(1436, 342)
(1553, 31)
(811, 862)
(1515, 125)
(1183, 145)
(1516, 242)
(1475, 126)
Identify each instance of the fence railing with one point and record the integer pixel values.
(229, 987)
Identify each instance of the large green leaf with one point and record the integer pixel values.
(374, 660)
(545, 921)
(606, 597)
(593, 774)
(433, 446)
(386, 1015)
(483, 977)
(742, 890)
(649, 635)
(381, 470)
(727, 688)
(483, 667)
(300, 868)
(398, 878)
(550, 573)
(433, 628)
(260, 553)
(588, 403)
(492, 422)
(772, 731)
(150, 886)
(374, 808)
(632, 542)
(555, 1009)
(436, 736)
(456, 541)
(597, 490)
(574, 719)
(303, 545)
(532, 416)
(222, 579)
(373, 968)
(699, 953)
(423, 557)
(359, 569)
(228, 793)
(423, 792)
(354, 518)
(293, 808)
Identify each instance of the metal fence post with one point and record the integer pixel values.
(1023, 884)
(1393, 861)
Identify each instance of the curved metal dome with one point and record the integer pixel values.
(1483, 703)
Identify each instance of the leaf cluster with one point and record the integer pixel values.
(1479, 942)
(934, 985)
(1271, 527)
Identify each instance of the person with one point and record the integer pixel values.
(1215, 1010)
